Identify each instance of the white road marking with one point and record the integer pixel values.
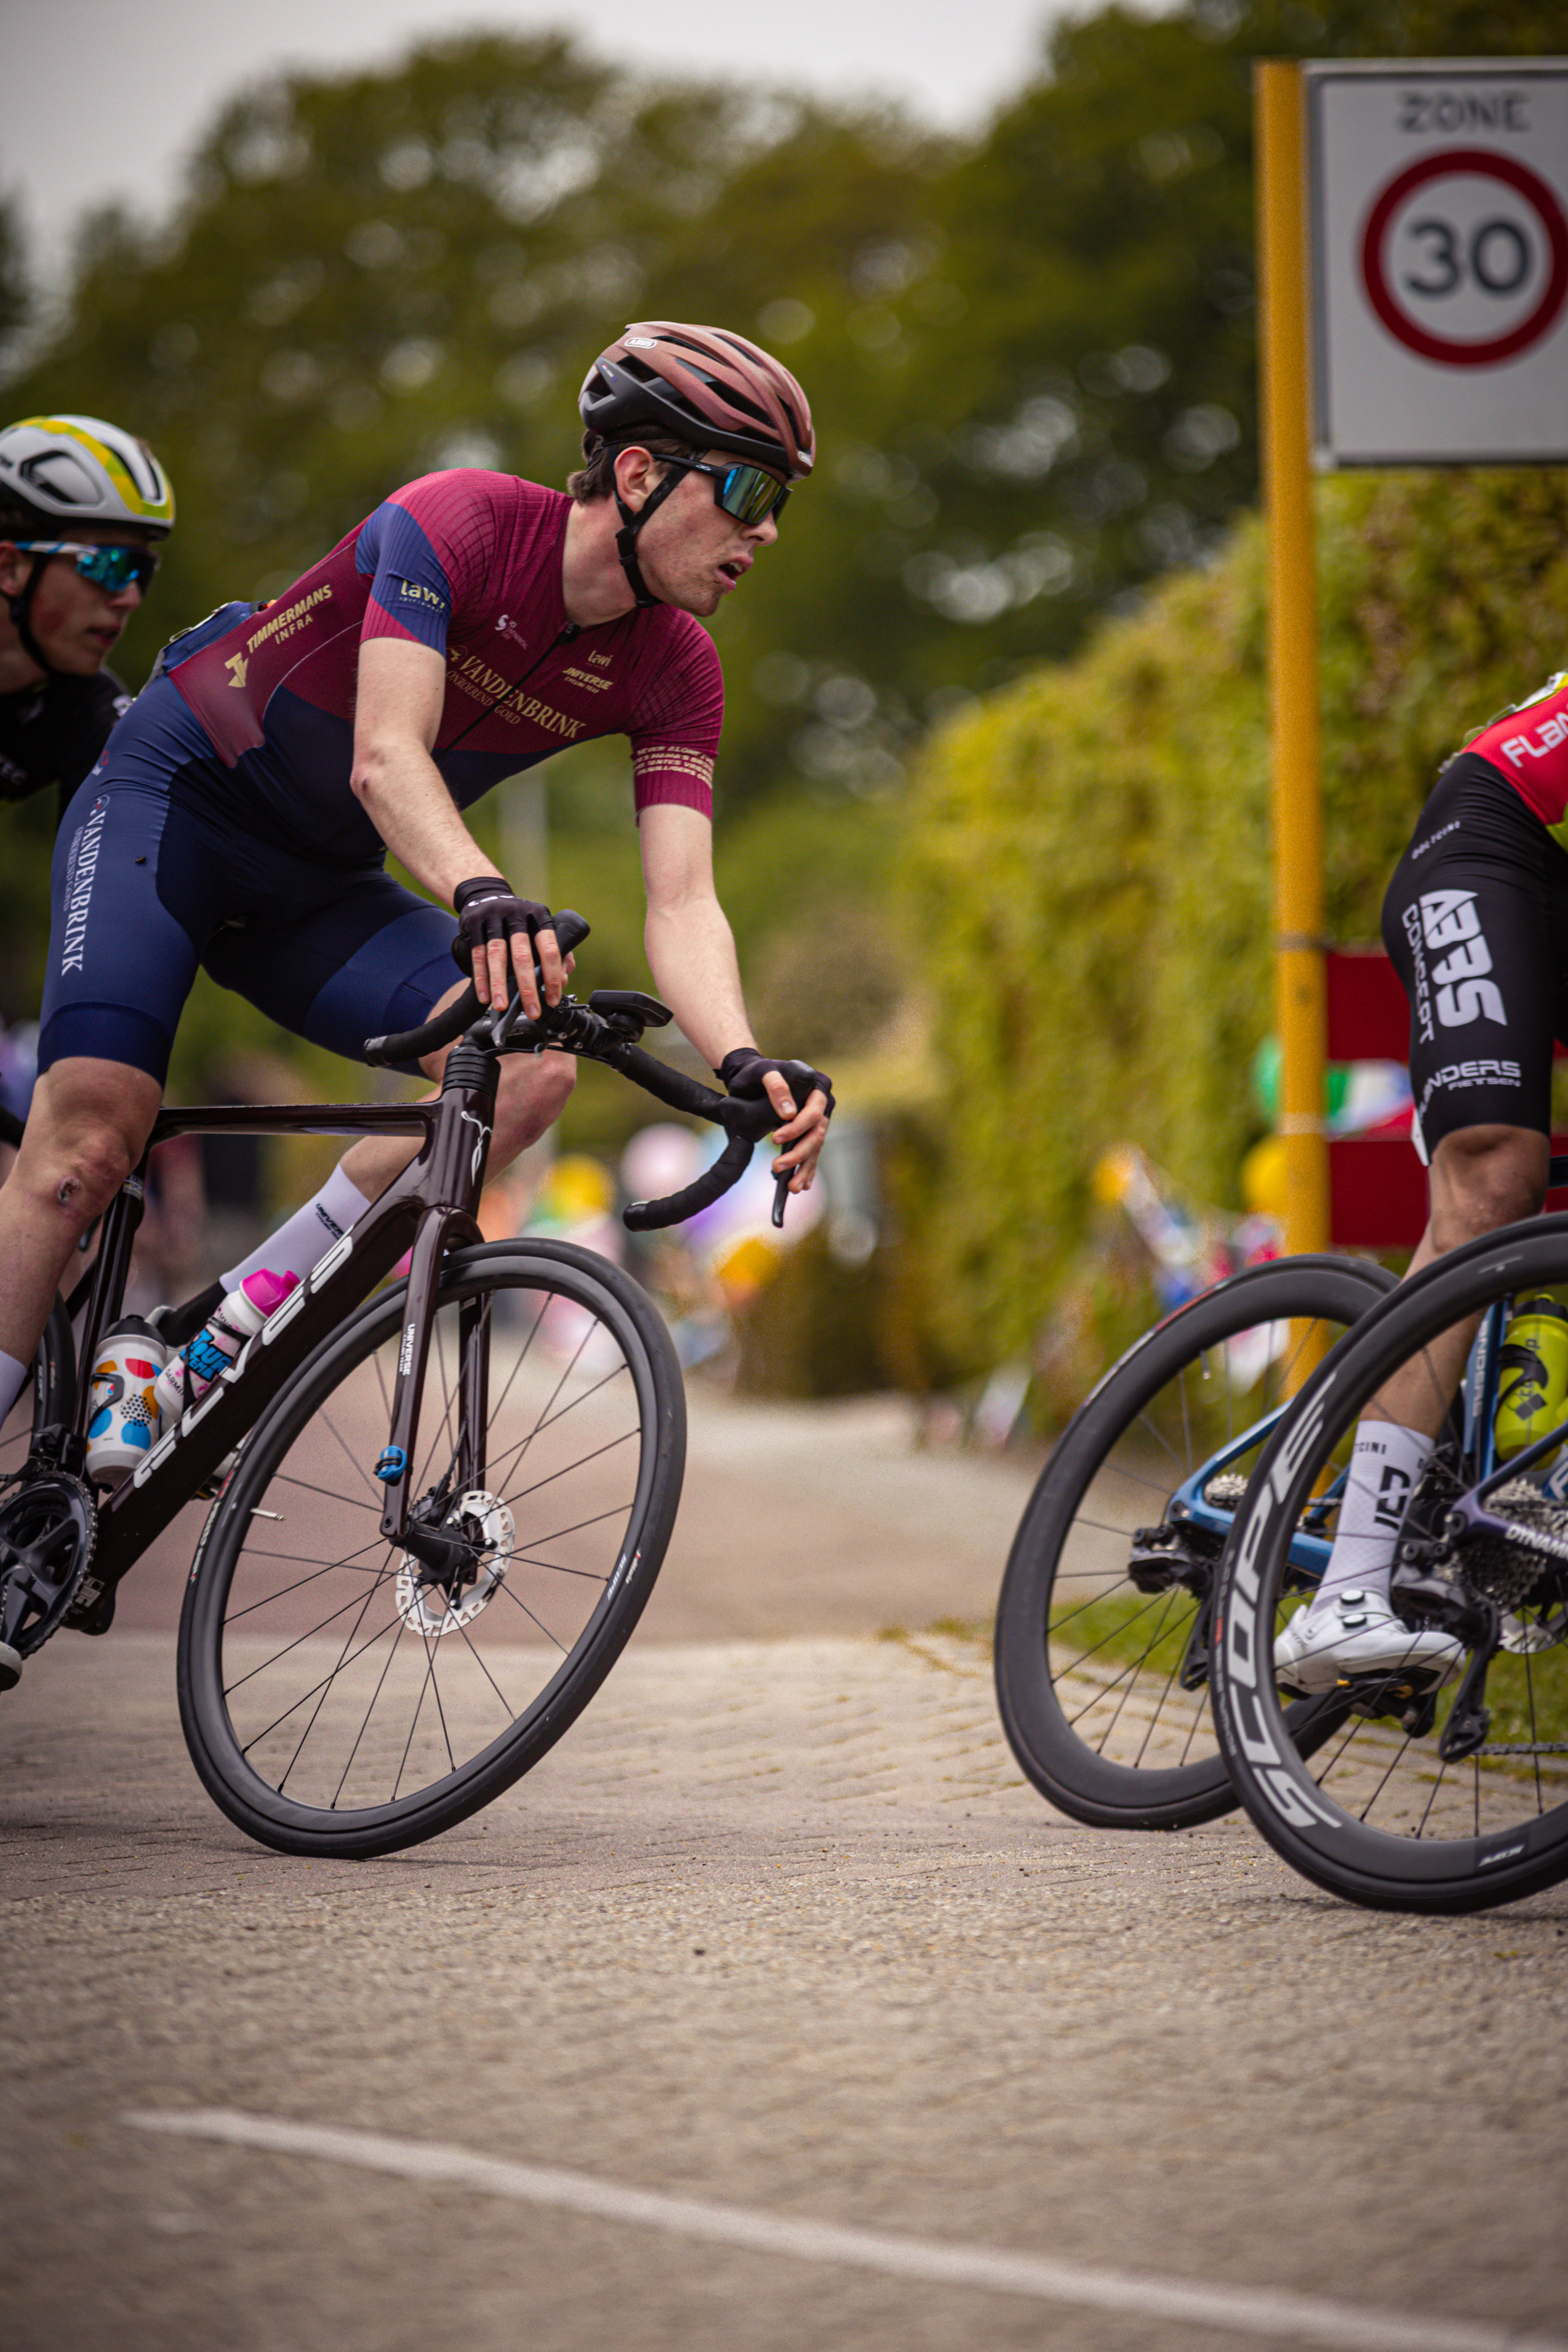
(1248, 2310)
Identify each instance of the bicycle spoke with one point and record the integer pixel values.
(370, 1710)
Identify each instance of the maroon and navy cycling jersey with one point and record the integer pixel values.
(218, 827)
(468, 564)
(1529, 747)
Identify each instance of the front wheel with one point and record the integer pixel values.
(1445, 1788)
(337, 1699)
(1102, 1626)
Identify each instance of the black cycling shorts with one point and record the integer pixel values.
(152, 876)
(1476, 920)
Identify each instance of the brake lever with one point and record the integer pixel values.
(781, 1196)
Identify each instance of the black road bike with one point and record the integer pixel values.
(440, 1502)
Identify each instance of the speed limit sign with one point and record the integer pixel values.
(1440, 252)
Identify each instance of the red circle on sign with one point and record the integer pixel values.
(1535, 191)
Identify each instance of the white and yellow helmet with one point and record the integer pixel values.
(74, 469)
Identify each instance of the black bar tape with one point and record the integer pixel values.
(651, 1216)
(671, 1087)
(413, 1045)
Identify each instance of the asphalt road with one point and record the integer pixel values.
(777, 1933)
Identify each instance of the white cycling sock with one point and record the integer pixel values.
(305, 1237)
(14, 1378)
(1386, 1462)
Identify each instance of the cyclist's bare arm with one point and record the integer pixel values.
(691, 955)
(397, 710)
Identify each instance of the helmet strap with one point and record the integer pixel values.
(627, 537)
(21, 606)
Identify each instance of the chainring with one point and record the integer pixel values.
(429, 1609)
(48, 1529)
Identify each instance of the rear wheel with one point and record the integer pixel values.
(1102, 1626)
(337, 1698)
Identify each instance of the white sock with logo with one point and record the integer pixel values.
(14, 1378)
(1386, 1462)
(304, 1239)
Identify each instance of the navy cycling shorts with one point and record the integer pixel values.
(153, 877)
(1476, 920)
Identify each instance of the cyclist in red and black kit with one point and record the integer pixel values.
(242, 811)
(1476, 920)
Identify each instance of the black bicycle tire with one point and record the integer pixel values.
(292, 1828)
(1088, 1787)
(1327, 1845)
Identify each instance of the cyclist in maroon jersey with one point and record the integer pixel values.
(241, 812)
(1476, 920)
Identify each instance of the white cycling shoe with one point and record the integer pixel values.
(1357, 1632)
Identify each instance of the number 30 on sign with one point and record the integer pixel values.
(1440, 236)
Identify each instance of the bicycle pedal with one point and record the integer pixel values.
(93, 1606)
(1411, 1698)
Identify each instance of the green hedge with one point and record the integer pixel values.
(1090, 850)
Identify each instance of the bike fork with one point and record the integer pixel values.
(459, 1148)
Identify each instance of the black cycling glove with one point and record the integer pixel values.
(744, 1069)
(488, 909)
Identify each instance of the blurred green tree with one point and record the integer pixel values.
(15, 291)
(1092, 846)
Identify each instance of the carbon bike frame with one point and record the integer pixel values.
(432, 1203)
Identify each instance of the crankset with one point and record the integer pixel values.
(47, 1529)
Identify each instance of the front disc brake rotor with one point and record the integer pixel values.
(429, 1609)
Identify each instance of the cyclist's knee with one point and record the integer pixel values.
(77, 1172)
(1484, 1177)
(82, 1141)
(535, 1091)
(558, 1075)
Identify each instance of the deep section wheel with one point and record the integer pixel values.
(1102, 1630)
(338, 1696)
(1439, 1791)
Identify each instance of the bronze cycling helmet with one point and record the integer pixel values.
(709, 387)
(698, 384)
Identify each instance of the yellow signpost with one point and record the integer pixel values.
(1297, 811)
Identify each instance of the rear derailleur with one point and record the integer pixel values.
(1427, 1589)
(1178, 1552)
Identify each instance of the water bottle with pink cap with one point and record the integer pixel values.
(192, 1373)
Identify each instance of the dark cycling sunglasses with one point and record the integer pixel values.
(746, 492)
(111, 568)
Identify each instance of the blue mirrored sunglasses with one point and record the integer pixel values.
(111, 568)
(746, 492)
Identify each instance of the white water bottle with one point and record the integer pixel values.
(190, 1374)
(124, 1427)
